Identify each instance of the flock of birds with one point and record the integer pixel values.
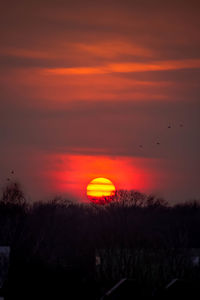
(158, 143)
(140, 146)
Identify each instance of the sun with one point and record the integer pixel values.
(100, 190)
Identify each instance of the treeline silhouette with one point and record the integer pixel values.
(64, 250)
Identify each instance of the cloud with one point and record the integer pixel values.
(127, 68)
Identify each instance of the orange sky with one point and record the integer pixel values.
(85, 83)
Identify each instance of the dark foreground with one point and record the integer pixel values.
(61, 250)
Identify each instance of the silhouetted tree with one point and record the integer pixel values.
(12, 194)
(135, 235)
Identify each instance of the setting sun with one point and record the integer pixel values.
(99, 188)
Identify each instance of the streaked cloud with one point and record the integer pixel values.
(128, 68)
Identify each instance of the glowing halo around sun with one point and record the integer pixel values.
(101, 190)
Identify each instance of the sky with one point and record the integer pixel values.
(100, 89)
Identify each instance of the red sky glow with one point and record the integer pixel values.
(90, 88)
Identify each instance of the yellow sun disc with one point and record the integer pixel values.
(100, 187)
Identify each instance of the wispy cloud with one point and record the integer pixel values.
(127, 67)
